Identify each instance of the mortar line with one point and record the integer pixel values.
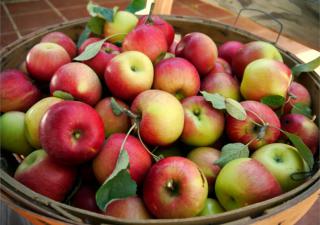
(15, 28)
(56, 10)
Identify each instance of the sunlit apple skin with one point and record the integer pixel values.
(112, 123)
(79, 80)
(33, 119)
(177, 76)
(300, 95)
(129, 74)
(203, 124)
(302, 126)
(12, 130)
(229, 49)
(139, 159)
(205, 157)
(221, 65)
(85, 198)
(245, 181)
(158, 110)
(123, 22)
(45, 176)
(252, 51)
(147, 39)
(212, 207)
(199, 49)
(160, 23)
(281, 160)
(246, 130)
(265, 77)
(128, 208)
(44, 59)
(71, 132)
(175, 188)
(17, 93)
(63, 40)
(221, 83)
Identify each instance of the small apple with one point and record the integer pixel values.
(299, 94)
(212, 207)
(229, 49)
(85, 198)
(221, 66)
(175, 188)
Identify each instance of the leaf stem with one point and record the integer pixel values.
(127, 135)
(262, 121)
(156, 158)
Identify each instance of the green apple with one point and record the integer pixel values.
(12, 133)
(211, 207)
(281, 160)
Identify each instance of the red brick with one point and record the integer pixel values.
(5, 25)
(7, 38)
(26, 7)
(74, 12)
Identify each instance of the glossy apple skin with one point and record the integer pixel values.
(139, 159)
(44, 59)
(229, 49)
(175, 188)
(301, 95)
(63, 40)
(128, 208)
(159, 110)
(33, 119)
(147, 39)
(265, 77)
(252, 51)
(221, 83)
(199, 49)
(177, 76)
(17, 93)
(221, 65)
(160, 23)
(129, 74)
(281, 160)
(246, 130)
(85, 198)
(71, 132)
(212, 207)
(12, 130)
(45, 176)
(79, 80)
(112, 123)
(245, 181)
(203, 124)
(204, 157)
(302, 126)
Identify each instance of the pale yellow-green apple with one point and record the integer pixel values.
(161, 117)
(205, 157)
(252, 51)
(129, 74)
(228, 49)
(12, 133)
(281, 160)
(265, 77)
(298, 94)
(245, 181)
(212, 207)
(123, 22)
(261, 121)
(203, 124)
(175, 187)
(33, 118)
(177, 76)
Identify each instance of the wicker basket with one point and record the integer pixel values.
(285, 209)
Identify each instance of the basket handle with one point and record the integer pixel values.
(265, 13)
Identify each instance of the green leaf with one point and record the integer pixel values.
(306, 67)
(235, 109)
(274, 101)
(90, 51)
(303, 149)
(95, 10)
(96, 25)
(62, 94)
(217, 100)
(83, 36)
(300, 108)
(136, 5)
(116, 108)
(232, 151)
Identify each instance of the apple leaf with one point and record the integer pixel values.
(217, 100)
(116, 108)
(90, 51)
(62, 94)
(99, 11)
(274, 101)
(136, 5)
(83, 36)
(96, 25)
(235, 109)
(300, 108)
(303, 149)
(232, 151)
(306, 67)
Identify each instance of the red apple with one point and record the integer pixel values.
(175, 188)
(43, 175)
(229, 49)
(176, 76)
(88, 42)
(79, 80)
(17, 93)
(199, 49)
(139, 159)
(221, 66)
(85, 198)
(71, 132)
(299, 94)
(44, 59)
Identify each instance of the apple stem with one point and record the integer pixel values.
(127, 135)
(262, 121)
(313, 118)
(149, 19)
(170, 185)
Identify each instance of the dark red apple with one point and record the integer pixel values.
(229, 49)
(85, 198)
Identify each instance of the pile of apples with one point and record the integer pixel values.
(150, 97)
